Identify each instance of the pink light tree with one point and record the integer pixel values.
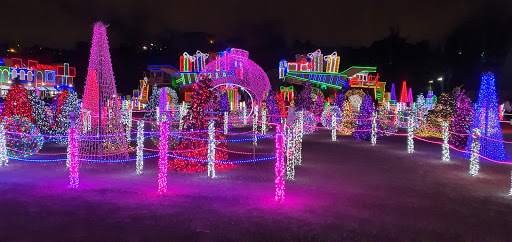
(105, 138)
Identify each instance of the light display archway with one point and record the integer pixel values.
(235, 67)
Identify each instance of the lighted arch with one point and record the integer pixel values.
(236, 68)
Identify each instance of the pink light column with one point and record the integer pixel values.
(279, 168)
(162, 161)
(74, 173)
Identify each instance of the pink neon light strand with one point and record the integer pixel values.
(74, 173)
(162, 161)
(279, 167)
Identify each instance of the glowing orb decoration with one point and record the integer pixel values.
(355, 97)
(22, 137)
(236, 68)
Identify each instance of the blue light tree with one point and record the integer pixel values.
(486, 120)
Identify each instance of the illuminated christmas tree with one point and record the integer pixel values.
(40, 111)
(340, 99)
(273, 109)
(224, 102)
(192, 147)
(318, 107)
(392, 97)
(17, 103)
(304, 101)
(65, 102)
(100, 99)
(22, 136)
(444, 111)
(364, 122)
(403, 93)
(461, 123)
(347, 119)
(153, 102)
(486, 120)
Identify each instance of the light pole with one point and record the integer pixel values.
(440, 80)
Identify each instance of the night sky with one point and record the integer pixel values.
(60, 24)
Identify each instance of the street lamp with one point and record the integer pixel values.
(430, 85)
(440, 79)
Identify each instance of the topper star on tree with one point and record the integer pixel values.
(461, 123)
(364, 122)
(486, 120)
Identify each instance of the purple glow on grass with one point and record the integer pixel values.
(74, 173)
(279, 168)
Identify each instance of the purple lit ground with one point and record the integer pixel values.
(344, 190)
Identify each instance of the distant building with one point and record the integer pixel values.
(48, 79)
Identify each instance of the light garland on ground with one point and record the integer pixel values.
(474, 166)
(3, 147)
(140, 146)
(211, 149)
(162, 161)
(446, 147)
(374, 128)
(74, 173)
(410, 135)
(279, 166)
